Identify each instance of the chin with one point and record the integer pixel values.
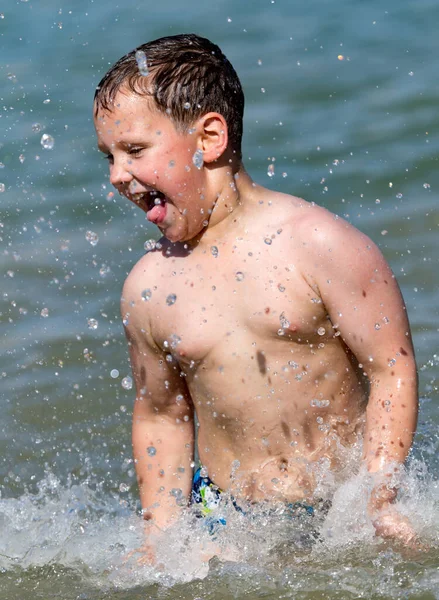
(174, 237)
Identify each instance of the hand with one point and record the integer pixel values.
(147, 555)
(388, 522)
(391, 525)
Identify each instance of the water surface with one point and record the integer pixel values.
(342, 99)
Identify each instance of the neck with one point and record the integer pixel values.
(232, 191)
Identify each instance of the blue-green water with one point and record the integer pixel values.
(342, 97)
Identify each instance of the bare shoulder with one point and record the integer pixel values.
(145, 274)
(315, 225)
(308, 222)
(137, 290)
(323, 234)
(323, 243)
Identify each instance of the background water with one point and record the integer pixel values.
(342, 97)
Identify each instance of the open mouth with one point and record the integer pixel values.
(152, 202)
(156, 207)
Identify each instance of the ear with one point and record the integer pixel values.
(213, 136)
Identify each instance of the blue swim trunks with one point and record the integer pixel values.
(207, 496)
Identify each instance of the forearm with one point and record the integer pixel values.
(163, 452)
(391, 418)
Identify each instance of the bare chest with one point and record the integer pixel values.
(211, 304)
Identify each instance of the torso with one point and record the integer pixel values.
(274, 387)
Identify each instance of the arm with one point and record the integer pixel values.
(362, 297)
(163, 418)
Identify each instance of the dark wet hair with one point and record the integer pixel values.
(188, 76)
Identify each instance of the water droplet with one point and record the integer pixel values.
(142, 63)
(175, 340)
(386, 320)
(171, 164)
(124, 487)
(214, 251)
(22, 158)
(293, 364)
(127, 383)
(384, 232)
(377, 326)
(284, 323)
(426, 186)
(268, 241)
(392, 362)
(114, 373)
(187, 105)
(319, 403)
(151, 451)
(47, 141)
(150, 245)
(171, 299)
(92, 323)
(37, 127)
(198, 159)
(270, 170)
(2, 187)
(92, 237)
(104, 270)
(321, 331)
(44, 313)
(239, 276)
(169, 358)
(399, 195)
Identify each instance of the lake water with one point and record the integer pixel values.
(342, 97)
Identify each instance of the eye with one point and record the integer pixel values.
(109, 157)
(135, 151)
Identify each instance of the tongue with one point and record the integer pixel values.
(156, 214)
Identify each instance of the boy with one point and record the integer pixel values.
(277, 322)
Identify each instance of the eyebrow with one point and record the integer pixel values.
(103, 149)
(125, 144)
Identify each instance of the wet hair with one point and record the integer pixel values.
(186, 76)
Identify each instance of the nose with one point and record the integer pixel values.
(120, 173)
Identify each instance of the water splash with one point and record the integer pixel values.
(92, 534)
(198, 159)
(171, 299)
(142, 63)
(47, 141)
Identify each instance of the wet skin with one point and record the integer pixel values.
(288, 335)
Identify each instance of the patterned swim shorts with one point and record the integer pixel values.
(207, 496)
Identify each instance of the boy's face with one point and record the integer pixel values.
(151, 164)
